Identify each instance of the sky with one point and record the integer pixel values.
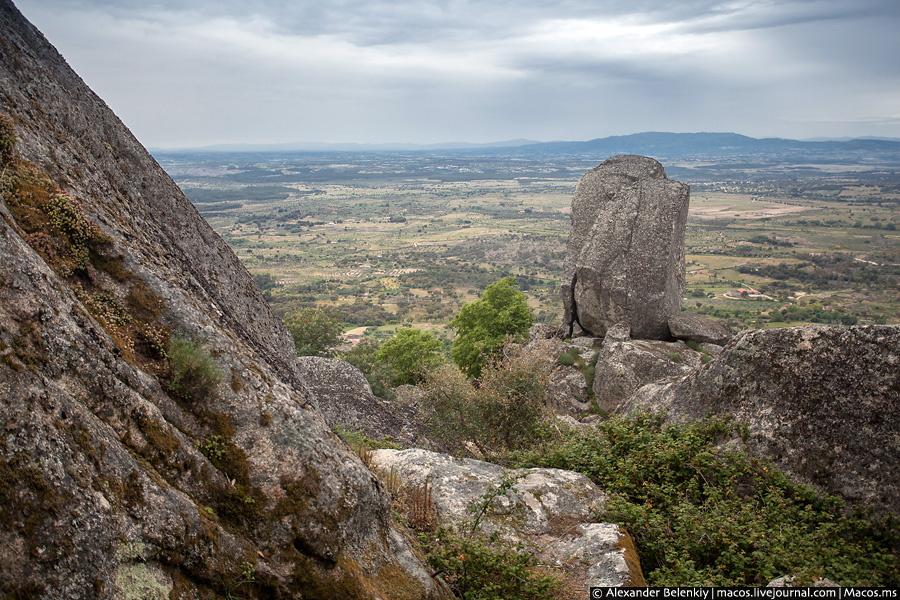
(202, 72)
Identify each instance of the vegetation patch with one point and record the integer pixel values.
(193, 375)
(503, 412)
(702, 516)
(484, 567)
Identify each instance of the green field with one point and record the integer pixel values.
(407, 239)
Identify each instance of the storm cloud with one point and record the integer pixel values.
(207, 72)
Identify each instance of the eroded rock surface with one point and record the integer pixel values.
(625, 252)
(821, 402)
(550, 510)
(625, 365)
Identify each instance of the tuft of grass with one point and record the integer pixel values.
(193, 375)
(565, 359)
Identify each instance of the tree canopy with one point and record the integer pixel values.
(410, 354)
(483, 326)
(315, 331)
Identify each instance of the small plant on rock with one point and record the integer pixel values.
(193, 372)
(483, 567)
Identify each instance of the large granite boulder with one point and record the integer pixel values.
(625, 252)
(345, 399)
(823, 403)
(549, 510)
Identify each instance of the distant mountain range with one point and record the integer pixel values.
(721, 146)
(699, 146)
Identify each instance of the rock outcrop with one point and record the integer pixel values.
(549, 510)
(691, 326)
(624, 365)
(821, 402)
(345, 398)
(625, 252)
(116, 476)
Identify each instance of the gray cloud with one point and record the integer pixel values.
(439, 70)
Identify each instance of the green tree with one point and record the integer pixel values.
(315, 330)
(485, 325)
(411, 353)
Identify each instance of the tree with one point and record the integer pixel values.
(485, 325)
(411, 353)
(315, 330)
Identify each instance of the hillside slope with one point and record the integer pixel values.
(127, 469)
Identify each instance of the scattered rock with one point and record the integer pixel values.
(549, 510)
(790, 581)
(568, 392)
(542, 331)
(691, 326)
(567, 389)
(620, 332)
(626, 365)
(820, 402)
(625, 252)
(587, 342)
(345, 398)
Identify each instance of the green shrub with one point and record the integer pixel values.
(358, 440)
(705, 517)
(411, 353)
(484, 567)
(315, 331)
(566, 359)
(479, 567)
(504, 412)
(7, 140)
(193, 374)
(675, 357)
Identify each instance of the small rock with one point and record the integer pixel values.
(690, 326)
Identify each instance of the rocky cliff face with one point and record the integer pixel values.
(120, 475)
(625, 252)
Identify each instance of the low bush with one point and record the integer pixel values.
(484, 567)
(503, 412)
(193, 375)
(702, 516)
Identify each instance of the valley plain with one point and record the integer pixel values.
(394, 238)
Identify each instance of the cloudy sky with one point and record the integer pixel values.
(199, 72)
